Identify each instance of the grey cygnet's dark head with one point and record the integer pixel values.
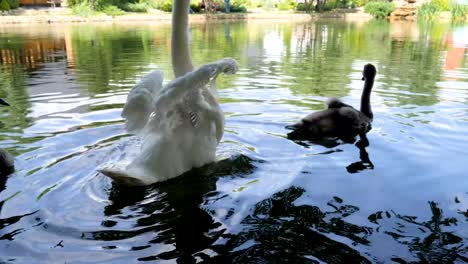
(369, 72)
(3, 102)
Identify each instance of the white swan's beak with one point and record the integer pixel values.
(3, 102)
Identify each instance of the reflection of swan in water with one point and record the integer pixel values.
(339, 120)
(182, 122)
(171, 212)
(364, 160)
(7, 165)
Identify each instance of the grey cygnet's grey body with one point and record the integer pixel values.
(7, 165)
(339, 120)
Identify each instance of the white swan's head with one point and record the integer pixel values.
(3, 102)
(369, 72)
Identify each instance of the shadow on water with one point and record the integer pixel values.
(280, 232)
(174, 214)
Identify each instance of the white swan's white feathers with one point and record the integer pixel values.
(140, 101)
(183, 128)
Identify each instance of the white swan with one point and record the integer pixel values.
(181, 123)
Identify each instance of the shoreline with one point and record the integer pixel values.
(61, 15)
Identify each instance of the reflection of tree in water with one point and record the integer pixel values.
(13, 89)
(433, 244)
(279, 231)
(7, 232)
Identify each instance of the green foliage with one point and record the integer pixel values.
(258, 3)
(360, 2)
(81, 6)
(344, 3)
(195, 8)
(141, 7)
(13, 3)
(329, 5)
(379, 9)
(82, 9)
(73, 3)
(428, 11)
(300, 7)
(111, 10)
(287, 5)
(238, 6)
(307, 7)
(4, 6)
(459, 12)
(164, 5)
(265, 4)
(442, 5)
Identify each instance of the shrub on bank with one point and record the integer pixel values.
(428, 11)
(164, 5)
(441, 5)
(236, 6)
(379, 9)
(82, 9)
(360, 2)
(287, 5)
(13, 3)
(459, 12)
(330, 5)
(195, 8)
(140, 7)
(111, 10)
(4, 6)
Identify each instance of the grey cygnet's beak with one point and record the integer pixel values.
(3, 102)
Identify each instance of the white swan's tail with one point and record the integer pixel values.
(121, 177)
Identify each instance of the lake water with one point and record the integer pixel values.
(401, 198)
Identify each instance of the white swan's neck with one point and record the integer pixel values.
(180, 51)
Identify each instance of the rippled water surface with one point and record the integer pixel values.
(400, 195)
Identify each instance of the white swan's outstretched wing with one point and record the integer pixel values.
(194, 80)
(184, 128)
(140, 101)
(186, 99)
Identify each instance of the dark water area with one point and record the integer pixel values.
(397, 195)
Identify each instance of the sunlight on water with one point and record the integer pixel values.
(402, 197)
